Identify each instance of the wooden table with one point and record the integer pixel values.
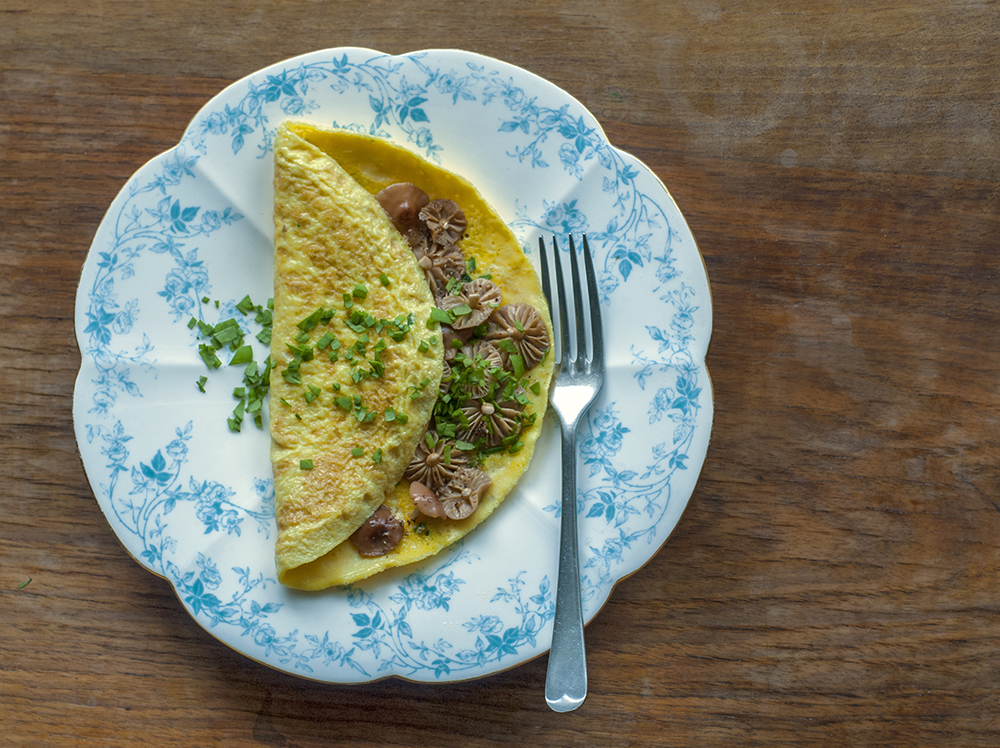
(833, 581)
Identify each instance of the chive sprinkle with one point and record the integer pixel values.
(357, 452)
(306, 464)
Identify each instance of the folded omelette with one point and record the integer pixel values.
(359, 355)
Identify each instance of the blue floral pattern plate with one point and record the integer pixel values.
(191, 234)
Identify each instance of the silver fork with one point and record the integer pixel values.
(578, 379)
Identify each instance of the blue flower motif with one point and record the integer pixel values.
(424, 138)
(419, 590)
(293, 106)
(265, 636)
(209, 574)
(211, 220)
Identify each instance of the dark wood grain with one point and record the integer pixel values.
(833, 580)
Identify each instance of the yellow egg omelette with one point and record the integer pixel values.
(346, 418)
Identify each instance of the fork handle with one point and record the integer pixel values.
(566, 679)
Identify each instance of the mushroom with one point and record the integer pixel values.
(425, 500)
(446, 379)
(403, 202)
(492, 421)
(462, 494)
(379, 534)
(523, 326)
(482, 355)
(448, 337)
(446, 221)
(435, 461)
(440, 264)
(481, 296)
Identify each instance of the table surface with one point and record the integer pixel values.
(833, 580)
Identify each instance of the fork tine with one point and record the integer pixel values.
(581, 328)
(596, 328)
(544, 264)
(547, 288)
(563, 314)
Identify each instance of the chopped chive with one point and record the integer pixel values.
(312, 392)
(461, 310)
(302, 337)
(22, 585)
(377, 456)
(207, 354)
(306, 464)
(245, 305)
(243, 355)
(308, 323)
(536, 387)
(359, 292)
(384, 279)
(464, 446)
(423, 347)
(335, 386)
(201, 383)
(205, 299)
(357, 452)
(390, 414)
(440, 315)
(518, 363)
(348, 301)
(325, 340)
(264, 336)
(191, 323)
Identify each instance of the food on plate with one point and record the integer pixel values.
(479, 317)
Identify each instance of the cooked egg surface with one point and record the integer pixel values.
(333, 452)
(374, 164)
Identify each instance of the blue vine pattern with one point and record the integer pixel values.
(145, 492)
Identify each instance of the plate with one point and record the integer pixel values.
(190, 235)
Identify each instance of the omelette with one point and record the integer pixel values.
(410, 357)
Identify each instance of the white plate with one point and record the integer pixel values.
(192, 501)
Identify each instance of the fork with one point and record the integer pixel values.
(578, 379)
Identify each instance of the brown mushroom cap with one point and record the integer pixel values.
(446, 221)
(379, 534)
(429, 465)
(403, 202)
(462, 494)
(448, 335)
(483, 355)
(482, 296)
(524, 327)
(440, 264)
(491, 421)
(426, 500)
